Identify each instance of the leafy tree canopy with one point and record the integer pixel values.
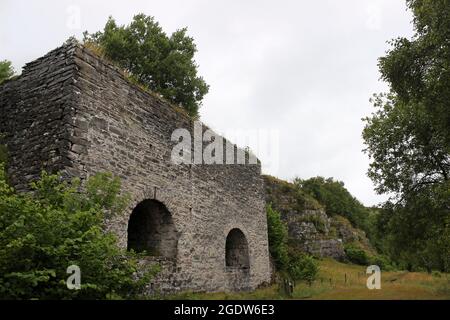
(408, 140)
(408, 137)
(165, 64)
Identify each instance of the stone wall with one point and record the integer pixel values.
(74, 112)
(36, 115)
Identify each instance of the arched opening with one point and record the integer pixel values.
(236, 250)
(151, 229)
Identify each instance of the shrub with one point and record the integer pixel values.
(382, 261)
(302, 267)
(356, 254)
(287, 259)
(56, 226)
(278, 236)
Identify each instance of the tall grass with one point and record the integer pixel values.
(340, 281)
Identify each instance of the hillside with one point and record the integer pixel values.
(310, 228)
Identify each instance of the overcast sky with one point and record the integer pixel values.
(304, 69)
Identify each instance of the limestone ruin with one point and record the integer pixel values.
(72, 112)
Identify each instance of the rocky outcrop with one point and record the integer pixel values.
(309, 227)
(332, 248)
(347, 233)
(312, 231)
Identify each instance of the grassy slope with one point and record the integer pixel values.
(394, 285)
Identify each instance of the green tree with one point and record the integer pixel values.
(43, 233)
(6, 70)
(408, 138)
(164, 64)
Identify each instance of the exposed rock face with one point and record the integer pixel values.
(332, 248)
(349, 234)
(70, 111)
(312, 231)
(308, 224)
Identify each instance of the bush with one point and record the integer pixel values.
(278, 236)
(297, 265)
(382, 261)
(436, 274)
(56, 226)
(356, 255)
(302, 267)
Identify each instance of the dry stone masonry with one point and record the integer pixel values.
(72, 112)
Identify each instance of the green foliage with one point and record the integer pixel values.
(287, 259)
(278, 237)
(407, 153)
(356, 254)
(382, 261)
(408, 141)
(286, 196)
(165, 64)
(417, 234)
(6, 70)
(43, 233)
(336, 198)
(302, 266)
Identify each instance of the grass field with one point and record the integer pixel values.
(332, 284)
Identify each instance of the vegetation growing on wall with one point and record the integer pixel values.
(165, 64)
(6, 70)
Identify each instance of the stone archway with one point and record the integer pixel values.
(236, 250)
(151, 229)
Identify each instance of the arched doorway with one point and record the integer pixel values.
(151, 229)
(236, 250)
